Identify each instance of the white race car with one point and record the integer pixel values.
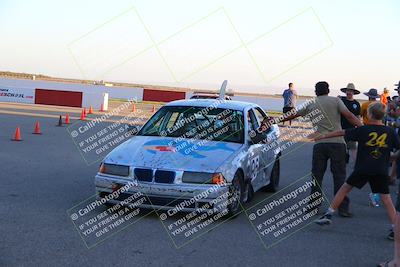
(192, 148)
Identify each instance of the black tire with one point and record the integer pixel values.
(236, 191)
(274, 179)
(248, 192)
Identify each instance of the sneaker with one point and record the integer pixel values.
(391, 235)
(374, 200)
(326, 219)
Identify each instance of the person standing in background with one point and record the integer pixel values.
(391, 120)
(385, 96)
(372, 96)
(289, 100)
(354, 107)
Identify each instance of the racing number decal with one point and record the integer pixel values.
(376, 140)
(254, 165)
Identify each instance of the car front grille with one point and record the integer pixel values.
(166, 177)
(160, 176)
(114, 169)
(144, 174)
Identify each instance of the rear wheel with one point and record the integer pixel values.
(274, 179)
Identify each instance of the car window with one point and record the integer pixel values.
(260, 114)
(214, 124)
(252, 120)
(154, 126)
(173, 119)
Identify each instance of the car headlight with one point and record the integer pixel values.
(102, 168)
(203, 178)
(114, 169)
(218, 178)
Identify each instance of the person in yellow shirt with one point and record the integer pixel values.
(372, 96)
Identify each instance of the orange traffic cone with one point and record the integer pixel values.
(82, 118)
(134, 108)
(153, 109)
(90, 110)
(37, 128)
(84, 112)
(67, 119)
(17, 135)
(102, 107)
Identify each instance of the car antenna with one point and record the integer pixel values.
(222, 90)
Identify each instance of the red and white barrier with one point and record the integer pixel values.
(77, 95)
(17, 94)
(63, 94)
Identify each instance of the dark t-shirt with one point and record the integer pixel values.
(375, 142)
(354, 107)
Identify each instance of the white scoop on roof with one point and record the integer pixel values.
(222, 90)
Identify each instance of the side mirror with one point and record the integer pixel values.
(257, 137)
(260, 136)
(266, 124)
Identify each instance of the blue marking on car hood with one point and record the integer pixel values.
(192, 148)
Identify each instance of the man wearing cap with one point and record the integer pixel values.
(372, 96)
(354, 107)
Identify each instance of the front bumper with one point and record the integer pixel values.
(174, 197)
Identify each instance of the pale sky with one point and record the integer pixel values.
(258, 46)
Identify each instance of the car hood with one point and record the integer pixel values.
(172, 153)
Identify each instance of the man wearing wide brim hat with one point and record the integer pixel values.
(350, 87)
(372, 96)
(354, 107)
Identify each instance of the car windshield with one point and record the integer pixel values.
(214, 124)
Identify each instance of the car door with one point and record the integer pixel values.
(269, 147)
(255, 154)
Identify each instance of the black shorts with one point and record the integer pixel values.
(287, 109)
(379, 183)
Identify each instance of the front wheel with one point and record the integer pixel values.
(235, 195)
(274, 180)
